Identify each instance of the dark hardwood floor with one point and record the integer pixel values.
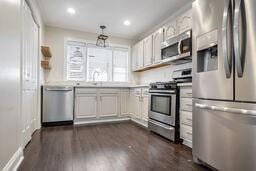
(110, 147)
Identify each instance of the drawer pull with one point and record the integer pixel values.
(189, 119)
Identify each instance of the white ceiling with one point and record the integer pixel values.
(90, 14)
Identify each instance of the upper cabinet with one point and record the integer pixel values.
(170, 30)
(147, 42)
(147, 53)
(184, 22)
(158, 38)
(137, 55)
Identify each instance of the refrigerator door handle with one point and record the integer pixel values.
(227, 52)
(239, 56)
(226, 109)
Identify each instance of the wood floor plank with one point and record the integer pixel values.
(106, 147)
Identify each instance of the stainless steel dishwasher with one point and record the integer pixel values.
(58, 105)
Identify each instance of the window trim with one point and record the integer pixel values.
(113, 45)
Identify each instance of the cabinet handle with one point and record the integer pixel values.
(189, 119)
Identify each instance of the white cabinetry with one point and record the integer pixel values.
(170, 30)
(139, 105)
(86, 105)
(158, 38)
(124, 99)
(184, 22)
(108, 105)
(100, 103)
(139, 54)
(186, 115)
(147, 42)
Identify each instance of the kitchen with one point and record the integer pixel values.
(127, 85)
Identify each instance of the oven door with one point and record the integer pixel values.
(162, 108)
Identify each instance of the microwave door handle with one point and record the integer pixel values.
(179, 47)
(239, 55)
(227, 52)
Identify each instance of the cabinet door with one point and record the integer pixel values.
(135, 104)
(170, 30)
(86, 106)
(134, 57)
(108, 105)
(124, 102)
(184, 22)
(158, 38)
(144, 108)
(140, 54)
(147, 42)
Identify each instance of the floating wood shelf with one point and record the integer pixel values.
(46, 64)
(46, 51)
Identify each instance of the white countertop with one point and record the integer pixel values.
(98, 85)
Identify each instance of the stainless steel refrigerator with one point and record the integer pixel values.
(224, 83)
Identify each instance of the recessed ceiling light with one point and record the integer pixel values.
(127, 22)
(71, 10)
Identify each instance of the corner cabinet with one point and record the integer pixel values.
(184, 22)
(170, 30)
(158, 38)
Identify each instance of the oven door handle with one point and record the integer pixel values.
(161, 125)
(163, 91)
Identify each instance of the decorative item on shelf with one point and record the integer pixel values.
(46, 64)
(46, 51)
(101, 40)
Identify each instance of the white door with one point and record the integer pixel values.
(30, 80)
(147, 42)
(170, 30)
(158, 38)
(108, 105)
(86, 106)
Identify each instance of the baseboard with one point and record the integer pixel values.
(15, 161)
(140, 122)
(103, 120)
(187, 143)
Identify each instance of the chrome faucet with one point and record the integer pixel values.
(93, 76)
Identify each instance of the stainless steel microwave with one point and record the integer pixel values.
(178, 49)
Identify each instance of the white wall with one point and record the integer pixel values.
(55, 37)
(10, 84)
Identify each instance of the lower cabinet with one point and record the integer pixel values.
(96, 103)
(108, 105)
(139, 104)
(86, 105)
(186, 115)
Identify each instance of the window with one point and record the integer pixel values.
(75, 61)
(87, 62)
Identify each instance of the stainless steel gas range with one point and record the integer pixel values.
(164, 103)
(163, 109)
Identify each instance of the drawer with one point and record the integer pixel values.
(136, 91)
(109, 91)
(186, 92)
(186, 132)
(144, 92)
(186, 104)
(86, 90)
(186, 117)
